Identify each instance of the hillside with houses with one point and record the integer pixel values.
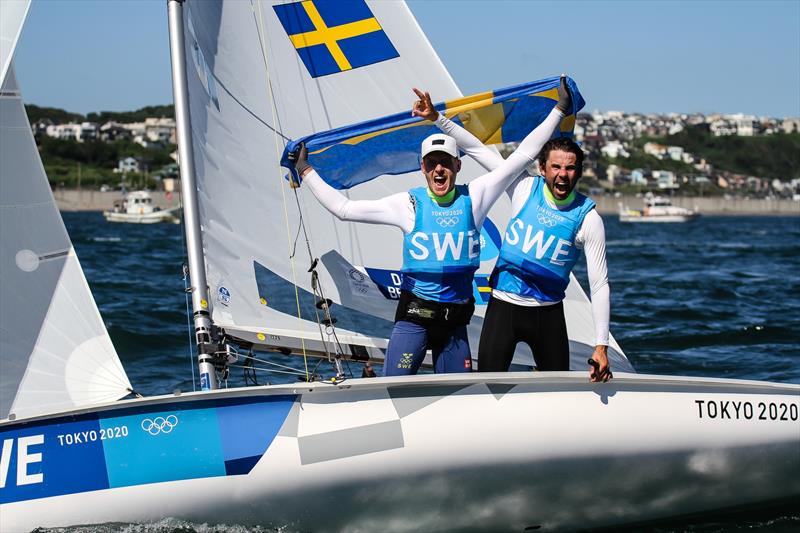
(739, 155)
(680, 154)
(106, 150)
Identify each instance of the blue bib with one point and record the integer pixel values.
(539, 251)
(442, 252)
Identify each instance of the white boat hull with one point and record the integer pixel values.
(490, 452)
(166, 215)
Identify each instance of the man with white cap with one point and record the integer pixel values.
(436, 293)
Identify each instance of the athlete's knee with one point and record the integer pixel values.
(400, 364)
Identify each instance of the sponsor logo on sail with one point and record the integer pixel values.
(358, 281)
(224, 296)
(356, 275)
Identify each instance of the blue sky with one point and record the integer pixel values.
(646, 56)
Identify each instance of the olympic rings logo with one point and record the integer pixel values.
(546, 221)
(355, 275)
(447, 222)
(159, 424)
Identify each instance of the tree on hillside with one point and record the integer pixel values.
(771, 156)
(157, 111)
(58, 116)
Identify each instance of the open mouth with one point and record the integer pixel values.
(440, 182)
(561, 187)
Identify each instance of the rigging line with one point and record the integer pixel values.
(266, 362)
(245, 107)
(278, 153)
(300, 225)
(250, 111)
(294, 373)
(298, 63)
(318, 291)
(316, 285)
(186, 291)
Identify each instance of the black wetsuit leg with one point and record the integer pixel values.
(543, 328)
(498, 341)
(551, 344)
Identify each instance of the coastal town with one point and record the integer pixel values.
(611, 139)
(626, 153)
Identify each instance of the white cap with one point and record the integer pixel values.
(439, 142)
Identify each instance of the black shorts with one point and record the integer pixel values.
(542, 327)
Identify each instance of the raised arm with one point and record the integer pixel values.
(485, 190)
(467, 142)
(394, 210)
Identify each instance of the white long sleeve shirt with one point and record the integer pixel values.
(591, 236)
(398, 209)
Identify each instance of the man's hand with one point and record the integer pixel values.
(564, 97)
(599, 369)
(424, 107)
(300, 159)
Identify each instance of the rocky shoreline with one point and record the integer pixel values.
(89, 200)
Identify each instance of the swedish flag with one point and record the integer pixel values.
(354, 154)
(335, 35)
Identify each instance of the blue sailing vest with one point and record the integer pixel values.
(442, 252)
(539, 251)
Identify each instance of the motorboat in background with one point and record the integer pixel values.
(137, 207)
(656, 209)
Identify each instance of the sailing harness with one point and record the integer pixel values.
(412, 308)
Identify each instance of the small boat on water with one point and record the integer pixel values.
(137, 207)
(656, 209)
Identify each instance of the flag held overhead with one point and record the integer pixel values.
(354, 154)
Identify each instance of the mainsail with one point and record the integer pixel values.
(263, 73)
(12, 17)
(55, 352)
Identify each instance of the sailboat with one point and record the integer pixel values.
(491, 452)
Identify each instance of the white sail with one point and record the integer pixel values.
(12, 17)
(250, 91)
(55, 352)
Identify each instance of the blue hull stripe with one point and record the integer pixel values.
(137, 446)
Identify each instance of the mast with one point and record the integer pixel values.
(194, 239)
